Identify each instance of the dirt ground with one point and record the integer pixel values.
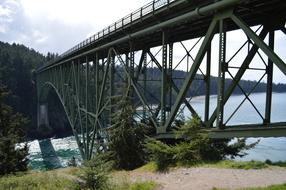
(201, 178)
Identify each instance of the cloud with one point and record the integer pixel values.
(56, 26)
(6, 15)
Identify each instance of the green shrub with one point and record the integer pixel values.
(194, 146)
(206, 148)
(95, 173)
(162, 154)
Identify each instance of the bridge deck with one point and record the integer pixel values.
(253, 12)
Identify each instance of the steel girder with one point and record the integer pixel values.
(87, 82)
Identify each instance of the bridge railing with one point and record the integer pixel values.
(127, 20)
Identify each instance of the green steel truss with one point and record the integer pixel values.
(87, 81)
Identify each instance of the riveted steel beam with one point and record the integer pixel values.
(269, 71)
(260, 43)
(239, 75)
(221, 74)
(205, 44)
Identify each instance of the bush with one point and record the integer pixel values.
(195, 146)
(162, 154)
(95, 173)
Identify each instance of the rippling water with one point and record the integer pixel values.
(268, 148)
(65, 149)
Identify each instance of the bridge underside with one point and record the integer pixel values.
(179, 35)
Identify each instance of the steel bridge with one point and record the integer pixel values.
(89, 75)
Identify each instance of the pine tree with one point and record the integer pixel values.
(127, 135)
(13, 158)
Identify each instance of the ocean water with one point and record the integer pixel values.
(273, 149)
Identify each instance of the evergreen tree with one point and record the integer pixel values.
(127, 135)
(13, 158)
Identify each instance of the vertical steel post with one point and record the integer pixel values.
(221, 74)
(144, 82)
(127, 63)
(207, 85)
(79, 102)
(111, 80)
(132, 60)
(190, 76)
(131, 68)
(86, 107)
(164, 77)
(96, 67)
(169, 73)
(269, 71)
(96, 84)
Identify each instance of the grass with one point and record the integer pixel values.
(144, 185)
(72, 170)
(120, 180)
(149, 167)
(272, 187)
(237, 164)
(64, 179)
(36, 181)
(230, 164)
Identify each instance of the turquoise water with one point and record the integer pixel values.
(64, 148)
(273, 149)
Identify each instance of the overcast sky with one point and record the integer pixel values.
(57, 25)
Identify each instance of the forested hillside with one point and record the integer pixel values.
(17, 66)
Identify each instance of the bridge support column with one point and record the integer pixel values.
(164, 77)
(207, 85)
(269, 71)
(111, 81)
(43, 119)
(190, 76)
(130, 63)
(144, 83)
(221, 73)
(169, 77)
(43, 115)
